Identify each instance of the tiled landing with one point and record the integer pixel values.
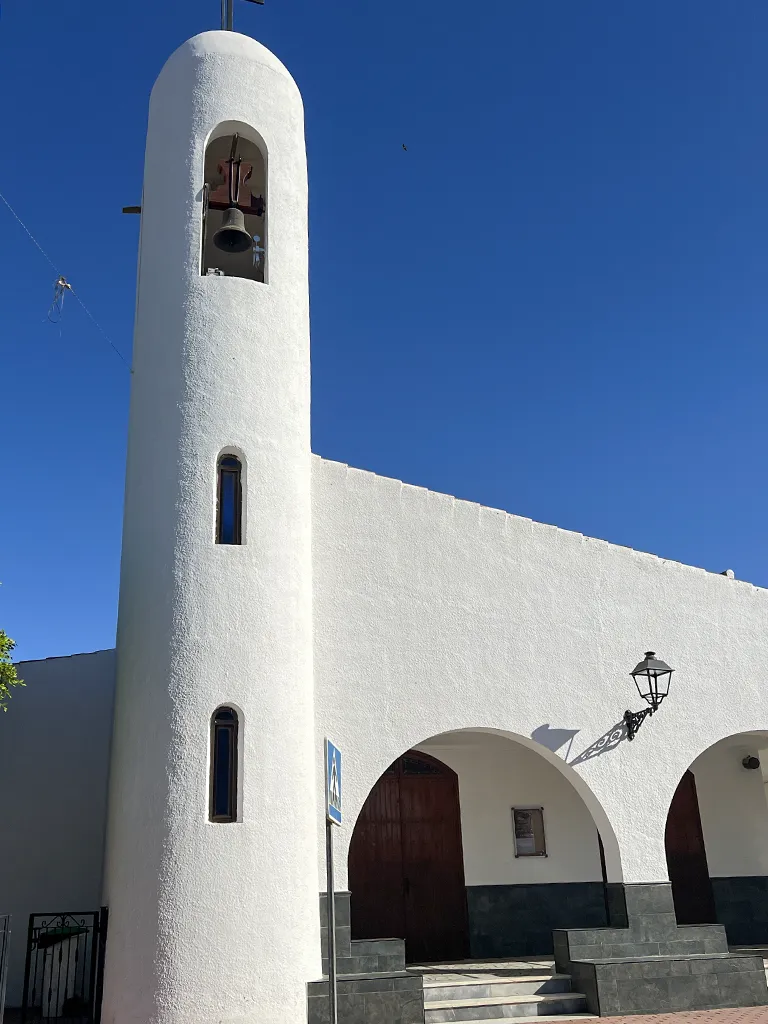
(485, 992)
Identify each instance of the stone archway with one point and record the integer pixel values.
(478, 843)
(716, 839)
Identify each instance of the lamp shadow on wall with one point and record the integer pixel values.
(556, 739)
(604, 745)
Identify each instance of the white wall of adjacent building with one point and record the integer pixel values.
(54, 758)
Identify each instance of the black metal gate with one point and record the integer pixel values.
(65, 966)
(5, 936)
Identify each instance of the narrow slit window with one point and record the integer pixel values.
(229, 501)
(223, 798)
(528, 828)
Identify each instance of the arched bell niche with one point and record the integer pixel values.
(234, 204)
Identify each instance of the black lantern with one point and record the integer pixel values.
(652, 677)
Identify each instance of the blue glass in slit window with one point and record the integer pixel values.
(222, 777)
(228, 508)
(228, 526)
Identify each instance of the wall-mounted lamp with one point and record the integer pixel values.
(652, 678)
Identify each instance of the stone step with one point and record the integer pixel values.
(538, 1019)
(474, 986)
(511, 968)
(503, 1007)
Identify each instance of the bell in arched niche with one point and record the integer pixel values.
(234, 214)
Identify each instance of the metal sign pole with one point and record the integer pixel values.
(333, 778)
(330, 892)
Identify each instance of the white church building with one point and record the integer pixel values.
(503, 820)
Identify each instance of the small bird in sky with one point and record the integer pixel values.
(405, 147)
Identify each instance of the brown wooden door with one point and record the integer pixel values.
(687, 857)
(376, 864)
(406, 867)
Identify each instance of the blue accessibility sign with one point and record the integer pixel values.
(332, 783)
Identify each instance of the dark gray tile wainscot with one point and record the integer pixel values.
(518, 920)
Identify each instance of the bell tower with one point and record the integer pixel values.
(211, 874)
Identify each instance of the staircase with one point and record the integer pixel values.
(487, 993)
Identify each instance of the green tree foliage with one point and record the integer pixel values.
(8, 675)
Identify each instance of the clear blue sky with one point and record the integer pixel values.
(555, 302)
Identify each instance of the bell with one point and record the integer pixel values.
(232, 236)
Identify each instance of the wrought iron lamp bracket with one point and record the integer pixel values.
(634, 719)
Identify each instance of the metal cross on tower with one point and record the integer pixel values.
(228, 13)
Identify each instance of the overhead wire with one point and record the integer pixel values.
(62, 284)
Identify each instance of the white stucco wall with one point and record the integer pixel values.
(497, 774)
(54, 757)
(734, 815)
(215, 922)
(434, 614)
